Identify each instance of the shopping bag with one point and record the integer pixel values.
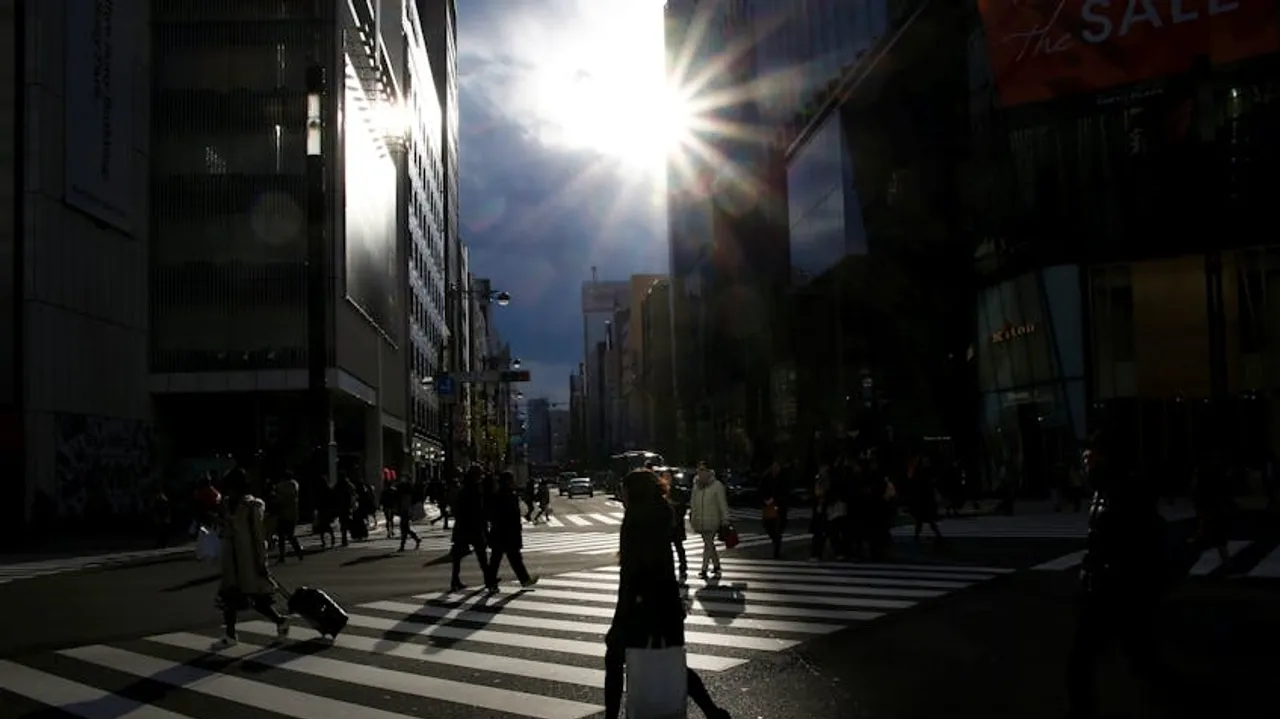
(656, 683)
(208, 546)
(770, 510)
(729, 536)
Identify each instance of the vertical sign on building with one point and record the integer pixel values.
(99, 105)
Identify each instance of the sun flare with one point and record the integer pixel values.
(606, 90)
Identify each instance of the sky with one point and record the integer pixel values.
(561, 157)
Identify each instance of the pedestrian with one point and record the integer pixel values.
(469, 533)
(708, 514)
(246, 581)
(506, 533)
(650, 608)
(922, 497)
(679, 500)
(287, 516)
(406, 503)
(1122, 575)
(775, 500)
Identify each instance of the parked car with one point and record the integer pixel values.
(581, 485)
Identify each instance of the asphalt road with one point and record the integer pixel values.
(964, 627)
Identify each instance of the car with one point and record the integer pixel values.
(580, 485)
(562, 483)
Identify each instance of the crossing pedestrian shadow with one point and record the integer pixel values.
(368, 559)
(479, 608)
(157, 687)
(722, 602)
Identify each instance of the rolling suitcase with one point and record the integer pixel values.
(318, 609)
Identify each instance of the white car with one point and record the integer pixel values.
(580, 485)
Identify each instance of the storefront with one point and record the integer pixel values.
(1031, 372)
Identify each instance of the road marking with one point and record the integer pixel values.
(604, 518)
(75, 698)
(732, 617)
(418, 685)
(577, 520)
(285, 702)
(1269, 567)
(704, 662)
(465, 614)
(1209, 559)
(1066, 561)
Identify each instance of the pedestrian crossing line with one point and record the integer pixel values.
(1066, 561)
(414, 612)
(1209, 559)
(260, 695)
(578, 520)
(933, 568)
(530, 605)
(526, 653)
(611, 519)
(1269, 566)
(418, 685)
(55, 691)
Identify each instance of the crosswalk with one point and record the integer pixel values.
(1261, 562)
(584, 543)
(45, 567)
(535, 653)
(1065, 525)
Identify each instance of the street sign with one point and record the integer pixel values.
(492, 376)
(445, 385)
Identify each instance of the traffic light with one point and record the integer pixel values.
(514, 375)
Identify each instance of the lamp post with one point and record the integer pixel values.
(447, 399)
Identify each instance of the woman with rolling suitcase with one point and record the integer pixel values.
(246, 581)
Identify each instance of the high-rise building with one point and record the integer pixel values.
(600, 300)
(538, 418)
(660, 430)
(77, 437)
(256, 195)
(559, 421)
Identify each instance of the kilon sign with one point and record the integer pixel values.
(1042, 49)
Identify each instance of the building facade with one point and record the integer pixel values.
(657, 375)
(1124, 282)
(560, 423)
(77, 428)
(538, 418)
(600, 301)
(287, 235)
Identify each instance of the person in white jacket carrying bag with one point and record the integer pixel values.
(708, 512)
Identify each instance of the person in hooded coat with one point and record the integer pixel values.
(246, 581)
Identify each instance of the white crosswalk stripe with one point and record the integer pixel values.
(752, 514)
(534, 653)
(1266, 564)
(46, 567)
(1065, 525)
(586, 543)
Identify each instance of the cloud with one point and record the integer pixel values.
(538, 216)
(549, 380)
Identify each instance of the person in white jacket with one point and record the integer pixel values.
(708, 512)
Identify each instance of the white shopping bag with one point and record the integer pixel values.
(657, 687)
(208, 546)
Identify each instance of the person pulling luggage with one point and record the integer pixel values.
(246, 580)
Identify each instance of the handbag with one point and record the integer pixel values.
(657, 682)
(729, 535)
(208, 546)
(770, 510)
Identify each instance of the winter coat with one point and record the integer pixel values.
(649, 604)
(708, 505)
(244, 548)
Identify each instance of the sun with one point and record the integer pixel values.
(607, 91)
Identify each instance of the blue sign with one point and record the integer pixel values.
(444, 386)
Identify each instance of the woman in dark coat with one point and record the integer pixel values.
(505, 532)
(650, 608)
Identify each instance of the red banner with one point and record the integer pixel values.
(1043, 49)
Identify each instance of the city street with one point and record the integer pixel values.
(844, 639)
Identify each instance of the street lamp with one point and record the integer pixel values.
(515, 363)
(502, 299)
